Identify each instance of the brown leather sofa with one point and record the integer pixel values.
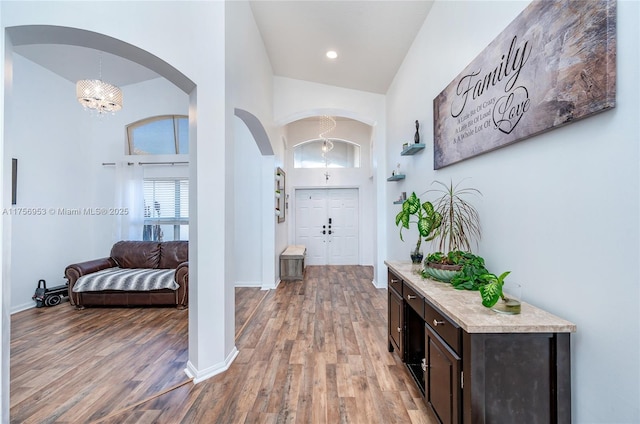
(133, 255)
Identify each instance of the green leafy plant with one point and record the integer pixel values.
(469, 277)
(491, 290)
(472, 267)
(460, 225)
(427, 219)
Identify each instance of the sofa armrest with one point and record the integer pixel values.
(182, 278)
(75, 271)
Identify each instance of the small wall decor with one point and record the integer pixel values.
(280, 195)
(14, 181)
(554, 64)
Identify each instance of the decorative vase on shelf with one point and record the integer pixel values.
(416, 138)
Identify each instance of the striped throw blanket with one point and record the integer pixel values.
(129, 279)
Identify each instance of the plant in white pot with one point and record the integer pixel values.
(460, 227)
(427, 220)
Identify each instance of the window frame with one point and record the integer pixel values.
(175, 221)
(334, 141)
(176, 139)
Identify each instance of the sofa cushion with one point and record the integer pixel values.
(126, 280)
(173, 253)
(136, 254)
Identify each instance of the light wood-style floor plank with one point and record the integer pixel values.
(311, 351)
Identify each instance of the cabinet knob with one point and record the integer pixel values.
(393, 281)
(437, 323)
(399, 330)
(411, 297)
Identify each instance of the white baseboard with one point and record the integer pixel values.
(201, 375)
(248, 284)
(375, 284)
(272, 286)
(23, 307)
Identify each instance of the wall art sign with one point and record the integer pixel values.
(554, 64)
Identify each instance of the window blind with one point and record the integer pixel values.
(166, 205)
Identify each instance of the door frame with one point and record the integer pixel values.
(292, 214)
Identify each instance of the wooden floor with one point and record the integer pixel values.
(310, 352)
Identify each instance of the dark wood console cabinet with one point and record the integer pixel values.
(515, 375)
(396, 316)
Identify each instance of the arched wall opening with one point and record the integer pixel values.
(254, 202)
(47, 34)
(357, 129)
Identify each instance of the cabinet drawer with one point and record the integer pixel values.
(394, 282)
(443, 326)
(413, 299)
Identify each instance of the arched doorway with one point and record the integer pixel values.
(43, 34)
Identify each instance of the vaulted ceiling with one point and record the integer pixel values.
(370, 37)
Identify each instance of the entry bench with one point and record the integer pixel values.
(292, 263)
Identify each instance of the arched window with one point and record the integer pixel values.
(159, 135)
(329, 153)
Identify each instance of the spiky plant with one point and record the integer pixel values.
(460, 220)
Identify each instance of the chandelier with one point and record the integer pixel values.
(98, 95)
(327, 125)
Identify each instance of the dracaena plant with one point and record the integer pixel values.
(425, 216)
(460, 220)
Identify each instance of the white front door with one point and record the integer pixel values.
(327, 224)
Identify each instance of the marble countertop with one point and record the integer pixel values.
(465, 308)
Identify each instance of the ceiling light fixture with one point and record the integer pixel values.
(332, 54)
(99, 96)
(327, 125)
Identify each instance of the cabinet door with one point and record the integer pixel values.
(443, 379)
(396, 323)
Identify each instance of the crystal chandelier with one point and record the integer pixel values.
(98, 95)
(327, 125)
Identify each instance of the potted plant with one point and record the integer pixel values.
(460, 227)
(493, 296)
(428, 220)
(472, 269)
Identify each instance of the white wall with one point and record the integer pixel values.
(248, 201)
(559, 210)
(295, 99)
(250, 88)
(49, 140)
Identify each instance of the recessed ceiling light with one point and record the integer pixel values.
(332, 54)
